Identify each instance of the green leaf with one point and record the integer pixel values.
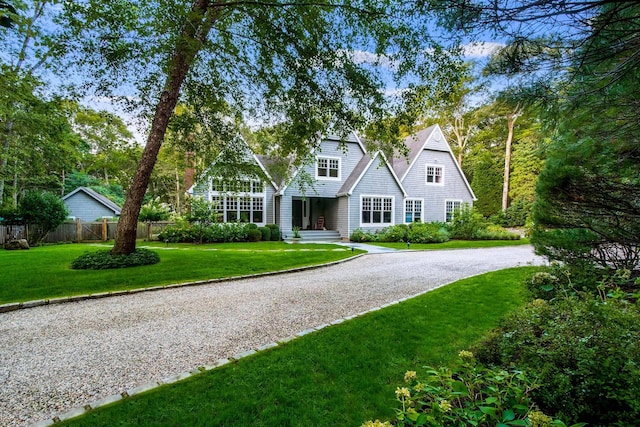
(460, 387)
(491, 400)
(518, 423)
(507, 415)
(488, 410)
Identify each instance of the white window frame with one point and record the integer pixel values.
(329, 159)
(240, 199)
(454, 207)
(413, 214)
(382, 198)
(436, 167)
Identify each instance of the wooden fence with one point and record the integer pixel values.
(79, 231)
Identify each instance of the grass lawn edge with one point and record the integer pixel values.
(75, 413)
(13, 306)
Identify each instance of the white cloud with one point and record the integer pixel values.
(481, 49)
(364, 57)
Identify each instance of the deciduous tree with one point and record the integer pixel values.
(312, 65)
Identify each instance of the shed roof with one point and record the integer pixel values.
(109, 204)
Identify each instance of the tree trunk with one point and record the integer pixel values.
(187, 46)
(511, 121)
(4, 156)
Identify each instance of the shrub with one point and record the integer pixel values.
(103, 260)
(275, 232)
(214, 233)
(428, 232)
(254, 235)
(43, 212)
(517, 213)
(543, 285)
(265, 234)
(493, 232)
(585, 354)
(360, 236)
(154, 211)
(469, 395)
(396, 233)
(466, 222)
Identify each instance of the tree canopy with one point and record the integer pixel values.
(316, 67)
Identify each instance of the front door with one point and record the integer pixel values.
(301, 213)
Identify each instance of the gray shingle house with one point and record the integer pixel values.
(89, 205)
(351, 188)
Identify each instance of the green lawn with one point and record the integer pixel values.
(454, 244)
(43, 272)
(342, 375)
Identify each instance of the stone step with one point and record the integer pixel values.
(319, 235)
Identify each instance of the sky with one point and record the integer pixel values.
(476, 52)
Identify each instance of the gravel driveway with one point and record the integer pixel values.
(57, 357)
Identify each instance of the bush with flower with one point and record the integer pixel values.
(470, 395)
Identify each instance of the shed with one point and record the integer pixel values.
(89, 205)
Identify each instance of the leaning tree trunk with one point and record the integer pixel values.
(187, 46)
(511, 121)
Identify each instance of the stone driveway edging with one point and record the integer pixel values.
(82, 410)
(13, 306)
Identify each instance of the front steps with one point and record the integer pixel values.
(327, 236)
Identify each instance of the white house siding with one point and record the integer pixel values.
(343, 216)
(85, 207)
(328, 188)
(377, 181)
(286, 214)
(437, 141)
(454, 187)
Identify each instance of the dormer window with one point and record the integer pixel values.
(435, 175)
(328, 168)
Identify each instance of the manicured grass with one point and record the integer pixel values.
(342, 375)
(44, 272)
(454, 244)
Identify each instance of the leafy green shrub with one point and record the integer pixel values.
(469, 395)
(213, 233)
(154, 211)
(428, 232)
(42, 211)
(395, 233)
(493, 232)
(275, 232)
(104, 260)
(252, 226)
(265, 234)
(360, 236)
(543, 285)
(584, 354)
(254, 235)
(466, 222)
(517, 214)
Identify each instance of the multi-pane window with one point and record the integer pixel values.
(435, 174)
(412, 210)
(239, 201)
(258, 209)
(328, 168)
(451, 206)
(376, 210)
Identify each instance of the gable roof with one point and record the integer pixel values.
(352, 137)
(97, 197)
(416, 144)
(361, 169)
(257, 159)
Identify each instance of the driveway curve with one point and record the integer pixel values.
(57, 357)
